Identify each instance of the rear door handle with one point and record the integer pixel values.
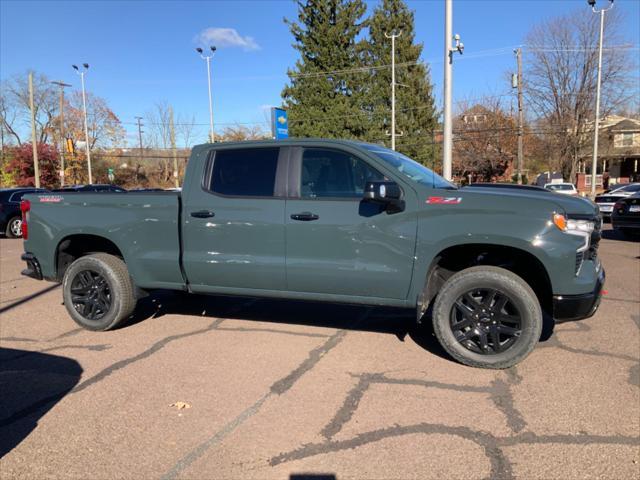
(203, 214)
(304, 216)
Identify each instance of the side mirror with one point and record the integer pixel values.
(386, 193)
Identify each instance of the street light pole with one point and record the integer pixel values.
(62, 85)
(84, 106)
(447, 146)
(212, 135)
(594, 163)
(393, 37)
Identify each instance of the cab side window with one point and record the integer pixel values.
(245, 173)
(331, 173)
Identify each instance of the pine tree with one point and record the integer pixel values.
(321, 104)
(416, 114)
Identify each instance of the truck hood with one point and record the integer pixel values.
(565, 203)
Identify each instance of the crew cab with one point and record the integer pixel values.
(328, 220)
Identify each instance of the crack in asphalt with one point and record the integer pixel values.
(502, 398)
(142, 355)
(274, 330)
(278, 388)
(499, 393)
(70, 333)
(500, 466)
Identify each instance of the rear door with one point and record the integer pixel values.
(337, 243)
(233, 225)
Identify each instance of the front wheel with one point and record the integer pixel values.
(98, 292)
(487, 317)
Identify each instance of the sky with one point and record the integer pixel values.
(142, 52)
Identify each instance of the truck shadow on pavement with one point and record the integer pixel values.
(386, 320)
(30, 387)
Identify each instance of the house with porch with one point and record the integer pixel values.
(618, 154)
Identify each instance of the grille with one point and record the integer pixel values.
(592, 253)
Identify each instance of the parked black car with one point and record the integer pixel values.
(95, 187)
(626, 215)
(606, 201)
(10, 215)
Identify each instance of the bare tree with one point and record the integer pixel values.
(185, 128)
(105, 128)
(15, 111)
(158, 125)
(239, 132)
(560, 79)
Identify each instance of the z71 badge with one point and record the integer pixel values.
(444, 200)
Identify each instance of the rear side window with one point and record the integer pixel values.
(245, 173)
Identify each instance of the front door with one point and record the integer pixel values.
(234, 232)
(337, 243)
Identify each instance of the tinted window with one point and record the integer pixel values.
(330, 173)
(246, 173)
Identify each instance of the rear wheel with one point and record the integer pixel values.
(487, 317)
(14, 228)
(98, 292)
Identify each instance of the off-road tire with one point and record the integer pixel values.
(120, 287)
(509, 285)
(12, 231)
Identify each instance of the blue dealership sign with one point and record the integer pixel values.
(279, 123)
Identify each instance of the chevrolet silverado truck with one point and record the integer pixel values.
(332, 221)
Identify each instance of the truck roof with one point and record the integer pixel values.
(287, 142)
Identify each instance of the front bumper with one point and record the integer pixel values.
(578, 307)
(33, 266)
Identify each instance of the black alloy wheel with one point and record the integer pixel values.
(485, 321)
(90, 295)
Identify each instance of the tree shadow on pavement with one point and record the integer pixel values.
(31, 384)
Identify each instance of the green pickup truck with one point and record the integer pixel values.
(334, 221)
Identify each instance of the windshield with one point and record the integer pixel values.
(629, 188)
(409, 168)
(560, 186)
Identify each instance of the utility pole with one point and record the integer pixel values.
(139, 120)
(518, 82)
(447, 146)
(594, 163)
(36, 167)
(86, 128)
(172, 132)
(393, 37)
(62, 85)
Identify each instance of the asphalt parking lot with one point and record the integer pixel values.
(198, 387)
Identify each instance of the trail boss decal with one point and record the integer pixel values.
(50, 198)
(444, 200)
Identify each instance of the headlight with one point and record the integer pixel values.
(581, 228)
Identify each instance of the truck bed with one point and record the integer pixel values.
(144, 225)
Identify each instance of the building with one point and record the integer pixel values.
(618, 154)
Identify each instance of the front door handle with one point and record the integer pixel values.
(304, 216)
(203, 214)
